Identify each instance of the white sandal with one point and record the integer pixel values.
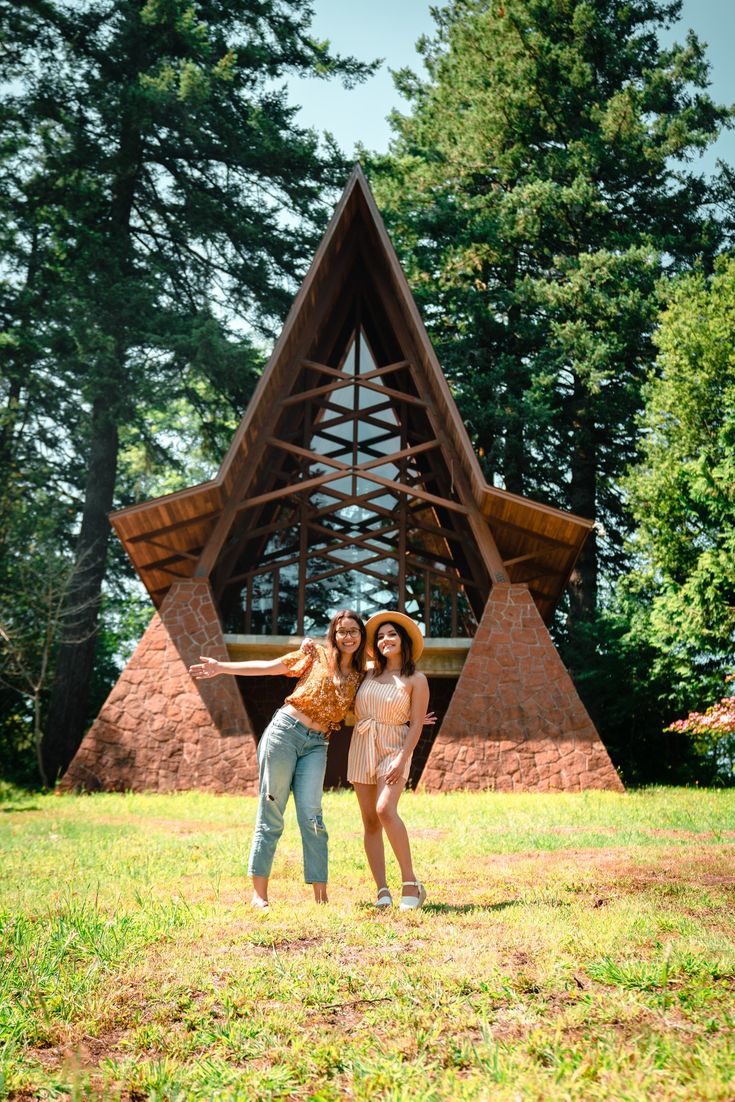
(384, 900)
(413, 902)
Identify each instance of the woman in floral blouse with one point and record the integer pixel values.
(292, 754)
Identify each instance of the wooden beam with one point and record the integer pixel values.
(381, 461)
(414, 491)
(159, 564)
(334, 372)
(179, 553)
(366, 417)
(523, 558)
(356, 381)
(354, 540)
(287, 491)
(173, 573)
(387, 370)
(399, 395)
(200, 518)
(386, 579)
(304, 453)
(530, 533)
(363, 501)
(319, 391)
(405, 453)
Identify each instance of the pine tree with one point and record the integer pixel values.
(537, 190)
(181, 199)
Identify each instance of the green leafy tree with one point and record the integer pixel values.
(179, 199)
(537, 189)
(682, 493)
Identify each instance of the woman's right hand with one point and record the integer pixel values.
(205, 667)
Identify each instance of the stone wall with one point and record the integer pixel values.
(161, 731)
(515, 721)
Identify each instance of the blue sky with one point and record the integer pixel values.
(389, 29)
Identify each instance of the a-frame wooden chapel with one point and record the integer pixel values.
(350, 482)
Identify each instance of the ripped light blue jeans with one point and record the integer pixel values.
(291, 758)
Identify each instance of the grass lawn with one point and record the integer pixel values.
(572, 947)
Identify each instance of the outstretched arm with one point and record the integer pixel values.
(211, 667)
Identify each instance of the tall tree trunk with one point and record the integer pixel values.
(18, 370)
(8, 418)
(67, 714)
(583, 502)
(514, 447)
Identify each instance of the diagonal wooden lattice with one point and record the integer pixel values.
(356, 496)
(352, 471)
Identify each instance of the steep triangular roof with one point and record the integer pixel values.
(354, 358)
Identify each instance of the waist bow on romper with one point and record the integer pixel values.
(382, 713)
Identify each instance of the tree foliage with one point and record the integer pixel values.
(158, 200)
(682, 492)
(664, 640)
(537, 189)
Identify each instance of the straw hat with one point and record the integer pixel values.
(410, 626)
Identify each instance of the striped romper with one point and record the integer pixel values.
(382, 712)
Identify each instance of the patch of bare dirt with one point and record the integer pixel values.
(693, 835)
(84, 1054)
(678, 863)
(291, 945)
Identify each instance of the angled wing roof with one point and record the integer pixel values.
(171, 537)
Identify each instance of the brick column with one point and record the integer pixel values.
(161, 731)
(515, 721)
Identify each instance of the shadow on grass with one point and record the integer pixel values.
(6, 809)
(469, 908)
(446, 908)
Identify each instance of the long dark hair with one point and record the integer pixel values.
(333, 653)
(408, 666)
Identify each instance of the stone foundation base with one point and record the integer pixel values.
(515, 721)
(161, 731)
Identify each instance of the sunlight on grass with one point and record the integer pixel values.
(572, 946)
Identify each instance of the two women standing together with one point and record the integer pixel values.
(389, 699)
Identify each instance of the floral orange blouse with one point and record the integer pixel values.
(316, 694)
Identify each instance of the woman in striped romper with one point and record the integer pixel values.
(390, 709)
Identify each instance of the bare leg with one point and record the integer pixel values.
(395, 828)
(373, 832)
(260, 892)
(320, 893)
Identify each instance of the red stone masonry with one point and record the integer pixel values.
(161, 731)
(515, 721)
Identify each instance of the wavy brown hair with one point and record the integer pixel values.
(358, 656)
(408, 666)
